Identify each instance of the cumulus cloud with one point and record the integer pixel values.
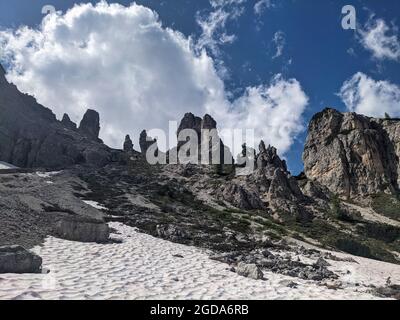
(139, 75)
(273, 110)
(279, 42)
(364, 95)
(213, 24)
(381, 40)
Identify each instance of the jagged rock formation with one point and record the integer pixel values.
(31, 136)
(269, 187)
(90, 124)
(353, 155)
(189, 121)
(128, 144)
(207, 139)
(66, 121)
(145, 142)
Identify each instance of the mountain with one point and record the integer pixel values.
(346, 200)
(31, 136)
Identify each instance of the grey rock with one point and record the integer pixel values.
(16, 259)
(128, 144)
(82, 229)
(249, 271)
(31, 136)
(145, 142)
(207, 136)
(353, 155)
(90, 124)
(171, 232)
(68, 123)
(321, 262)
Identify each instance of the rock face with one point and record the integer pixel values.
(90, 124)
(31, 136)
(269, 186)
(128, 144)
(207, 136)
(82, 230)
(145, 142)
(15, 259)
(66, 121)
(353, 155)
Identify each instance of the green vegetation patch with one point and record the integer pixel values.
(387, 205)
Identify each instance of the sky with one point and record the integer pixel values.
(266, 65)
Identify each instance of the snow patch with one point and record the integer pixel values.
(95, 204)
(144, 267)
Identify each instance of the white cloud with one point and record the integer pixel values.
(262, 5)
(138, 75)
(280, 42)
(274, 110)
(213, 25)
(364, 95)
(378, 38)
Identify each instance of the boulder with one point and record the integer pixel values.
(16, 259)
(249, 271)
(82, 229)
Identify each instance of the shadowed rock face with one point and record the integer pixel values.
(206, 130)
(15, 259)
(31, 136)
(66, 121)
(90, 124)
(352, 154)
(128, 144)
(145, 142)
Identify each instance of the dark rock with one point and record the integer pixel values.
(82, 229)
(171, 232)
(207, 136)
(128, 144)
(321, 262)
(392, 291)
(241, 197)
(145, 142)
(269, 157)
(192, 122)
(31, 136)
(66, 121)
(16, 259)
(90, 124)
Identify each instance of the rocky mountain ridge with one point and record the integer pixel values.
(347, 157)
(31, 136)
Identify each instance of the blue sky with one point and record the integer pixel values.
(315, 50)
